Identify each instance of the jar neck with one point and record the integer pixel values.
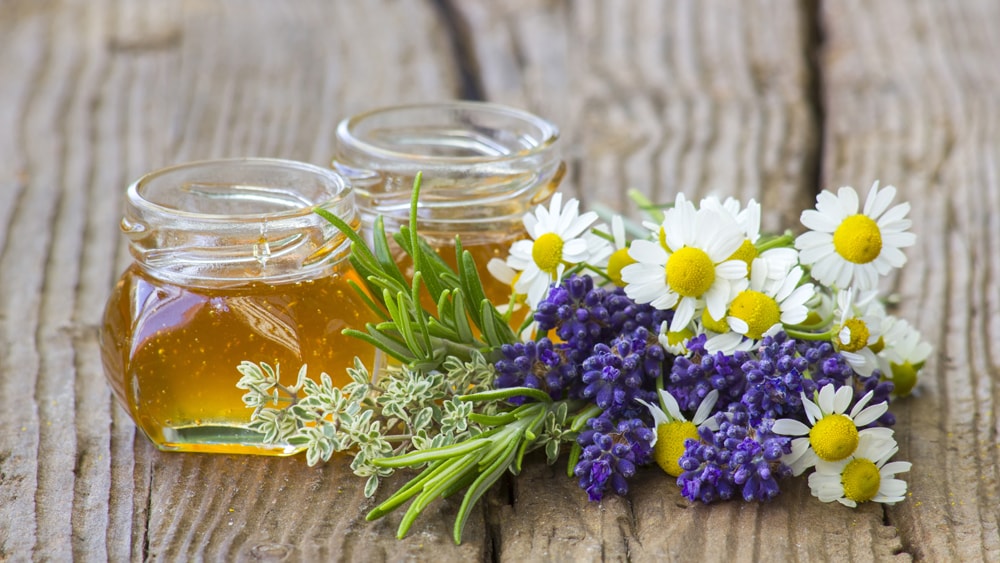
(483, 166)
(232, 222)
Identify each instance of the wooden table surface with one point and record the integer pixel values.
(768, 99)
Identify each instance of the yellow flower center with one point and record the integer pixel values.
(904, 378)
(858, 239)
(618, 260)
(713, 325)
(861, 480)
(759, 311)
(669, 446)
(690, 272)
(746, 252)
(859, 335)
(678, 337)
(878, 346)
(547, 252)
(834, 437)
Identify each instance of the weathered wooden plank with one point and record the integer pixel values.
(699, 97)
(95, 94)
(912, 99)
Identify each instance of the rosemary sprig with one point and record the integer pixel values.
(435, 408)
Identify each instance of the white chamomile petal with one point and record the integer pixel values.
(673, 409)
(705, 407)
(789, 427)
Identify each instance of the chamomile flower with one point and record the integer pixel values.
(848, 248)
(903, 355)
(763, 308)
(673, 429)
(693, 271)
(831, 435)
(619, 256)
(863, 477)
(859, 329)
(556, 241)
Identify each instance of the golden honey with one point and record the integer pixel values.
(230, 264)
(171, 351)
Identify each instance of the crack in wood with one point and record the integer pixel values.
(815, 44)
(461, 40)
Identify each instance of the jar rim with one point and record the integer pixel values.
(136, 196)
(548, 132)
(224, 221)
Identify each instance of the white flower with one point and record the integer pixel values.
(848, 248)
(694, 271)
(763, 308)
(556, 240)
(865, 476)
(831, 434)
(672, 429)
(903, 355)
(859, 329)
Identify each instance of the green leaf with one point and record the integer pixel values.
(371, 486)
(432, 454)
(383, 254)
(506, 393)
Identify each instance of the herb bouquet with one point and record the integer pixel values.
(730, 358)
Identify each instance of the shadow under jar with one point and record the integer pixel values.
(230, 263)
(483, 167)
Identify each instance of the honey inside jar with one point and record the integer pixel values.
(230, 264)
(174, 351)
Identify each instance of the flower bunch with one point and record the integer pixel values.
(730, 358)
(778, 346)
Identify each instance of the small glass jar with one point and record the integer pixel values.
(484, 166)
(230, 264)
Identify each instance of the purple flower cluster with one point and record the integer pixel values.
(737, 459)
(610, 453)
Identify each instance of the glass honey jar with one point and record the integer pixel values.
(230, 263)
(483, 167)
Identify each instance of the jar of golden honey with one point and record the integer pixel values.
(230, 263)
(483, 165)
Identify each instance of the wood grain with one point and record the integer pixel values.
(919, 108)
(768, 99)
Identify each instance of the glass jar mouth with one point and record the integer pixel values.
(457, 124)
(232, 221)
(185, 191)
